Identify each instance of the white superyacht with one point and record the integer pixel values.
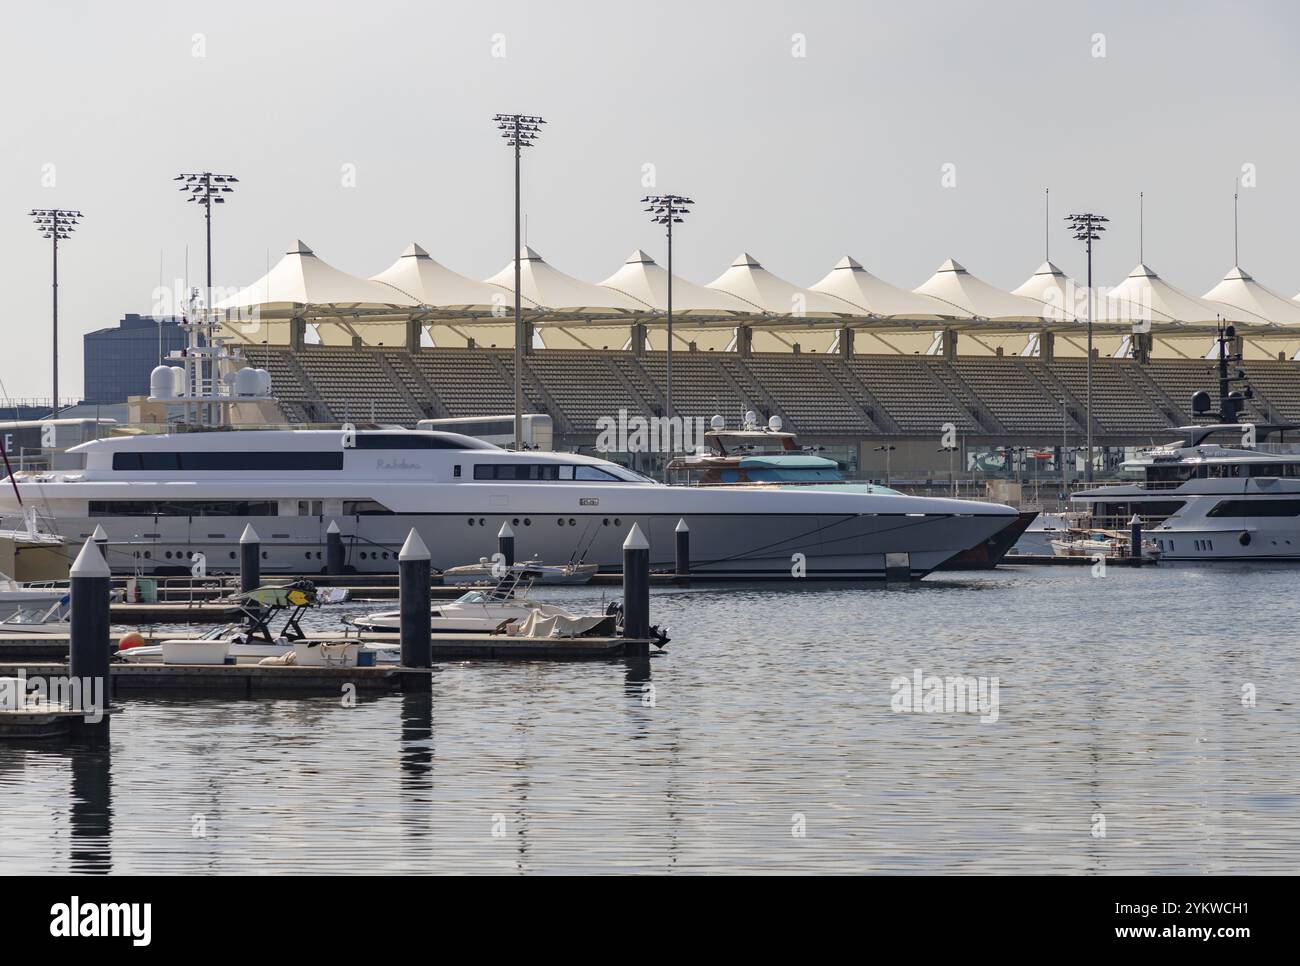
(164, 498)
(1237, 498)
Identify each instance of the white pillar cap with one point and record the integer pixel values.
(636, 539)
(414, 548)
(90, 562)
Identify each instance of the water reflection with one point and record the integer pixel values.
(769, 716)
(90, 818)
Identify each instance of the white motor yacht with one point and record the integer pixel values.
(1234, 499)
(164, 499)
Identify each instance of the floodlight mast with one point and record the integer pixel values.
(1087, 228)
(207, 189)
(668, 210)
(519, 132)
(56, 224)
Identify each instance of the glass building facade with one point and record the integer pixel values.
(118, 360)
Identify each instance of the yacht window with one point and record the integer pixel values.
(184, 508)
(516, 471)
(593, 474)
(1265, 469)
(310, 508)
(552, 471)
(364, 508)
(1169, 474)
(419, 441)
(210, 461)
(1255, 508)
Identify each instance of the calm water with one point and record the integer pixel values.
(767, 743)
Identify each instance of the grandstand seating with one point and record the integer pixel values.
(1010, 392)
(354, 384)
(699, 386)
(467, 381)
(295, 399)
(1119, 404)
(1277, 381)
(809, 397)
(910, 396)
(1179, 379)
(415, 385)
(819, 396)
(598, 393)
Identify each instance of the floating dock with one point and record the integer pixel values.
(236, 678)
(447, 647)
(1051, 560)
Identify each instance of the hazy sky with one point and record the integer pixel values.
(796, 159)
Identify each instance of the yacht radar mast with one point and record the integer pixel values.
(209, 377)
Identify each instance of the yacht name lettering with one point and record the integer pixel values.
(396, 464)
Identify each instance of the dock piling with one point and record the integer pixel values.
(506, 544)
(333, 550)
(100, 536)
(416, 623)
(682, 568)
(636, 592)
(1135, 537)
(250, 560)
(88, 649)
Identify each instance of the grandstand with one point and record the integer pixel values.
(827, 399)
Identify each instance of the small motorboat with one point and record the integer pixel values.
(27, 622)
(252, 641)
(15, 596)
(1110, 544)
(493, 610)
(481, 573)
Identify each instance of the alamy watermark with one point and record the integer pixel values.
(87, 695)
(931, 694)
(649, 434)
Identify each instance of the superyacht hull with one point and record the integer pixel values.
(723, 545)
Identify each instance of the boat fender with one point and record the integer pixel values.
(1244, 539)
(130, 640)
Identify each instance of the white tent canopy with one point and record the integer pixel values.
(300, 280)
(953, 284)
(1065, 299)
(870, 295)
(430, 283)
(551, 290)
(1245, 299)
(1145, 296)
(641, 278)
(746, 279)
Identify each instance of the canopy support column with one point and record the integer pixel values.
(846, 342)
(297, 334)
(413, 329)
(1047, 346)
(638, 339)
(950, 344)
(1142, 343)
(744, 341)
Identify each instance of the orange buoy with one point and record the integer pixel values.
(133, 639)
